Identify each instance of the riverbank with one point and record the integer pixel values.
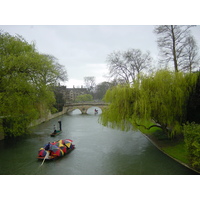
(47, 117)
(36, 122)
(175, 149)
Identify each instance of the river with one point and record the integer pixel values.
(99, 151)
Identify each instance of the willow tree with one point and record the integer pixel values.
(160, 98)
(26, 79)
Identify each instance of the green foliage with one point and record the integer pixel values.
(101, 90)
(26, 80)
(192, 140)
(60, 101)
(83, 98)
(120, 109)
(160, 97)
(193, 109)
(177, 150)
(164, 97)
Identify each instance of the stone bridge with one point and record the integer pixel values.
(83, 107)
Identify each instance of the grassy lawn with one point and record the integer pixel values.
(177, 151)
(175, 148)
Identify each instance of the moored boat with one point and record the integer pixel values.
(55, 133)
(54, 150)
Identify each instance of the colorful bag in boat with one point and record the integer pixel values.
(53, 143)
(64, 149)
(67, 143)
(42, 152)
(61, 146)
(55, 151)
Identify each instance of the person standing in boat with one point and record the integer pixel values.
(54, 127)
(59, 122)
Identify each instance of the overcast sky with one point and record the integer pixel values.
(83, 49)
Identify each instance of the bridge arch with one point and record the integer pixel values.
(83, 107)
(91, 109)
(76, 110)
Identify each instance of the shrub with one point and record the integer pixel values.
(192, 140)
(84, 98)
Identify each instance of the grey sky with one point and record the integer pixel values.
(83, 49)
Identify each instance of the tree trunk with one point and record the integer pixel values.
(174, 49)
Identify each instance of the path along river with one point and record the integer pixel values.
(99, 151)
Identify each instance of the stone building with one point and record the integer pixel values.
(70, 94)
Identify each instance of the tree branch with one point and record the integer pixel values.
(148, 128)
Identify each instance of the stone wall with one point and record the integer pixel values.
(48, 117)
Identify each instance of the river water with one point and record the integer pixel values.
(99, 151)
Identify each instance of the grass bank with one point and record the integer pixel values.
(175, 148)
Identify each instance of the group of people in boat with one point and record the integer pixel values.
(55, 149)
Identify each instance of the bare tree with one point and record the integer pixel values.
(137, 60)
(124, 66)
(117, 67)
(172, 41)
(191, 58)
(90, 83)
